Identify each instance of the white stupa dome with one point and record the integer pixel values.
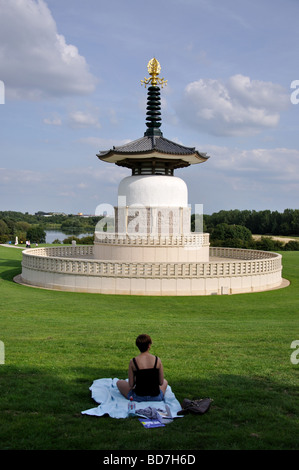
(153, 191)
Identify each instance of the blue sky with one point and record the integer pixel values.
(72, 70)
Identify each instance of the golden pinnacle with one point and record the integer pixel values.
(154, 68)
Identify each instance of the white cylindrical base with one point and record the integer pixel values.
(191, 248)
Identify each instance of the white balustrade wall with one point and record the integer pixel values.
(149, 248)
(74, 268)
(193, 239)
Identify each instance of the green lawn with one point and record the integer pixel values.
(234, 349)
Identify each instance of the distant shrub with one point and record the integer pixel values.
(268, 244)
(292, 245)
(80, 241)
(68, 240)
(87, 240)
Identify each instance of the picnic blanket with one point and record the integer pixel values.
(112, 402)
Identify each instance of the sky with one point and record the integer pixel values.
(70, 73)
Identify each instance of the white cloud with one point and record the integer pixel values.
(76, 119)
(240, 106)
(233, 178)
(55, 121)
(48, 189)
(278, 165)
(36, 61)
(257, 178)
(103, 144)
(104, 173)
(81, 119)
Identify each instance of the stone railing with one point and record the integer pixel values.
(80, 251)
(240, 253)
(192, 239)
(70, 260)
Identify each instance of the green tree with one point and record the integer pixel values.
(295, 222)
(22, 226)
(4, 232)
(231, 236)
(36, 235)
(226, 231)
(72, 225)
(196, 223)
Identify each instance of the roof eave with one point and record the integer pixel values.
(113, 156)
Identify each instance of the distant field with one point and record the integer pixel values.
(235, 349)
(280, 238)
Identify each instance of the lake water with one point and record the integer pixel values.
(52, 235)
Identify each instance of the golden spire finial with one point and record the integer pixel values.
(154, 68)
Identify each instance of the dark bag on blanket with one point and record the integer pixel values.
(198, 407)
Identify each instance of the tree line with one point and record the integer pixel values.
(33, 227)
(264, 222)
(232, 228)
(238, 236)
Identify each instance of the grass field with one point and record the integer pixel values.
(234, 349)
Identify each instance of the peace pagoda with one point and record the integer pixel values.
(152, 220)
(148, 248)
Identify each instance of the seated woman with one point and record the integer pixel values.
(146, 377)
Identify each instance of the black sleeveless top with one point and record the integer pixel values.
(146, 380)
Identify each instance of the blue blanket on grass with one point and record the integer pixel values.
(112, 402)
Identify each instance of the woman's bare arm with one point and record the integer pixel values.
(131, 374)
(161, 372)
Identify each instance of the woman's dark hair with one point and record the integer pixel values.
(143, 342)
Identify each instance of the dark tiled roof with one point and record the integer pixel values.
(149, 144)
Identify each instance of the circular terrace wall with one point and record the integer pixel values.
(228, 271)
